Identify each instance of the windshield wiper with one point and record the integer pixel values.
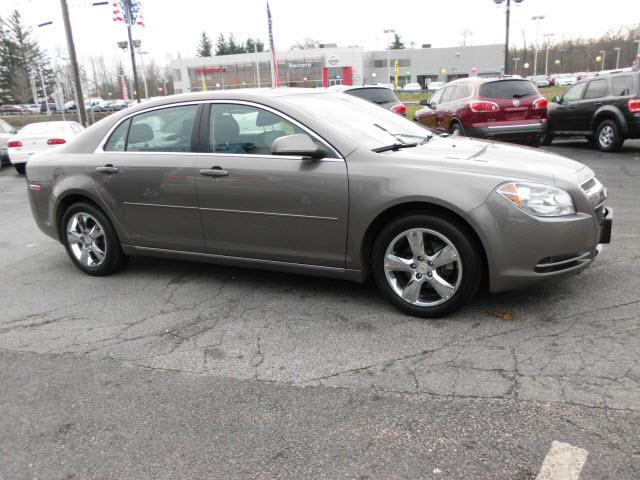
(394, 147)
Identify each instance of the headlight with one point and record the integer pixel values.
(538, 199)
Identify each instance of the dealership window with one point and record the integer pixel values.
(244, 129)
(165, 130)
(177, 75)
(379, 63)
(404, 62)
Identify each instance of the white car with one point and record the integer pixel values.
(433, 86)
(37, 137)
(412, 87)
(6, 132)
(564, 80)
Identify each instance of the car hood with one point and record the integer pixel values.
(488, 157)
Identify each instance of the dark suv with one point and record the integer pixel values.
(606, 110)
(492, 108)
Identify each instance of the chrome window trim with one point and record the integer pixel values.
(105, 139)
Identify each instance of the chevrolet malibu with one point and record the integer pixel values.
(319, 183)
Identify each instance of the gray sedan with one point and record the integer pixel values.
(319, 183)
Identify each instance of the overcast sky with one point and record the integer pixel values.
(174, 27)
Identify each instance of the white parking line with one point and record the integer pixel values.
(563, 462)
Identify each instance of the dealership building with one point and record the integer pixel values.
(330, 65)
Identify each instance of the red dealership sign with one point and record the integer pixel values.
(205, 71)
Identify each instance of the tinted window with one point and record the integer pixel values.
(165, 130)
(375, 95)
(574, 93)
(245, 129)
(622, 86)
(508, 89)
(118, 138)
(596, 89)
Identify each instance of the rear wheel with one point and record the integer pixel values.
(426, 265)
(21, 168)
(546, 138)
(91, 241)
(456, 129)
(608, 136)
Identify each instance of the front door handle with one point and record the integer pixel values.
(214, 172)
(108, 168)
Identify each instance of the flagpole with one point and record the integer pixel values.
(275, 77)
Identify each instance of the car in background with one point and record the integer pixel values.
(412, 87)
(540, 81)
(489, 108)
(12, 110)
(434, 86)
(52, 107)
(604, 109)
(103, 106)
(118, 105)
(32, 108)
(6, 132)
(37, 137)
(563, 79)
(349, 190)
(378, 94)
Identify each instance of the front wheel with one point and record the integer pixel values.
(426, 265)
(456, 129)
(546, 138)
(91, 240)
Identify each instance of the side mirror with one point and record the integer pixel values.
(425, 103)
(296, 145)
(557, 99)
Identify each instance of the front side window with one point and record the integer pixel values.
(165, 130)
(245, 129)
(596, 89)
(574, 93)
(437, 97)
(447, 94)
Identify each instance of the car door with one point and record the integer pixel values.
(565, 118)
(445, 111)
(428, 115)
(594, 97)
(262, 206)
(145, 173)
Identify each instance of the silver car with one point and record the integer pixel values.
(319, 183)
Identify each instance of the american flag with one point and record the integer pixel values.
(276, 76)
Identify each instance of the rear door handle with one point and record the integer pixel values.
(597, 104)
(214, 172)
(108, 168)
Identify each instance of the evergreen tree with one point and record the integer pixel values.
(221, 47)
(205, 46)
(397, 43)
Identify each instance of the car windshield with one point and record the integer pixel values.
(374, 127)
(508, 89)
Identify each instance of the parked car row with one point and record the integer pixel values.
(96, 105)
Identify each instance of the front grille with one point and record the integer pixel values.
(559, 263)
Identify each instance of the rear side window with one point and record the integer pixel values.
(596, 89)
(623, 86)
(508, 89)
(462, 91)
(375, 95)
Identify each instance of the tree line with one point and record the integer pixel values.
(227, 46)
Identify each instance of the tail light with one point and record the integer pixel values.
(400, 109)
(14, 144)
(634, 105)
(540, 104)
(56, 141)
(484, 107)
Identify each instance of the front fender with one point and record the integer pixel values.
(607, 111)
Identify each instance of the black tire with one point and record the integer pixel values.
(468, 255)
(546, 138)
(114, 257)
(608, 136)
(21, 168)
(456, 129)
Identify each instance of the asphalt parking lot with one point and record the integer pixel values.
(182, 370)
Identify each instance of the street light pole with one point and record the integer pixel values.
(536, 18)
(617, 49)
(603, 53)
(506, 38)
(388, 31)
(74, 63)
(136, 90)
(546, 60)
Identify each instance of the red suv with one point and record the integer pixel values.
(491, 108)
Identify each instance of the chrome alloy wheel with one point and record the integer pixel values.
(606, 136)
(86, 240)
(423, 267)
